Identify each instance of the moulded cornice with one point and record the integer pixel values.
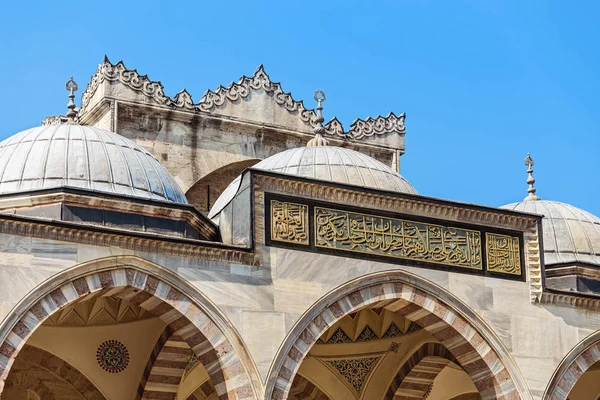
(151, 243)
(530, 225)
(70, 196)
(259, 80)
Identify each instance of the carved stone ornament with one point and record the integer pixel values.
(112, 356)
(259, 81)
(54, 120)
(355, 371)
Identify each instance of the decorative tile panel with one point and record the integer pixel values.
(289, 222)
(391, 237)
(503, 253)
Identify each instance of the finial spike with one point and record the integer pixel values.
(319, 130)
(72, 87)
(530, 180)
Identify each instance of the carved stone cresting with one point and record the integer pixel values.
(503, 253)
(260, 80)
(289, 222)
(212, 99)
(54, 120)
(130, 78)
(379, 125)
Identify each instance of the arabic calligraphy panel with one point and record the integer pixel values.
(503, 253)
(289, 222)
(391, 237)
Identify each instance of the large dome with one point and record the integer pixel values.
(326, 163)
(71, 155)
(570, 234)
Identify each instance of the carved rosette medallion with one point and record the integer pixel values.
(289, 222)
(503, 253)
(112, 356)
(370, 234)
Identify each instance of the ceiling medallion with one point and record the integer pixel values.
(112, 356)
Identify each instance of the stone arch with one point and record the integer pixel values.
(302, 388)
(434, 357)
(157, 290)
(205, 191)
(585, 354)
(166, 366)
(58, 371)
(478, 349)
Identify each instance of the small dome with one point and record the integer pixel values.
(326, 163)
(570, 234)
(70, 155)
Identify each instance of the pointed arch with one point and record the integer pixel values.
(479, 351)
(425, 364)
(55, 371)
(585, 354)
(189, 314)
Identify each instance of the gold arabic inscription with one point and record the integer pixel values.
(503, 254)
(391, 237)
(289, 222)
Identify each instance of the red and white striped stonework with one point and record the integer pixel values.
(569, 373)
(418, 372)
(165, 367)
(476, 357)
(303, 389)
(57, 374)
(184, 318)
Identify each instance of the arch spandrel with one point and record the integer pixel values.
(191, 315)
(469, 339)
(572, 367)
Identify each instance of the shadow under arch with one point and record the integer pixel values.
(577, 361)
(208, 332)
(466, 335)
(206, 190)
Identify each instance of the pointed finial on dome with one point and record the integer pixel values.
(530, 181)
(319, 130)
(72, 87)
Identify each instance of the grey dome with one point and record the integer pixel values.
(69, 155)
(326, 163)
(570, 234)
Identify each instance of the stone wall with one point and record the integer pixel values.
(266, 302)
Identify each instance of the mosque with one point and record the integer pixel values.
(239, 247)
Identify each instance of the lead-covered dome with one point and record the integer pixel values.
(326, 163)
(70, 155)
(570, 234)
(339, 165)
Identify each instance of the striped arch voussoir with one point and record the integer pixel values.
(184, 318)
(569, 373)
(468, 347)
(418, 372)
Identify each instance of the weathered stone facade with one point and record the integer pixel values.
(406, 297)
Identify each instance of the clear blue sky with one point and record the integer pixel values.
(482, 82)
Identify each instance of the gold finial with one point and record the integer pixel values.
(319, 130)
(530, 181)
(72, 87)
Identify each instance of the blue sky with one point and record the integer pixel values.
(482, 82)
